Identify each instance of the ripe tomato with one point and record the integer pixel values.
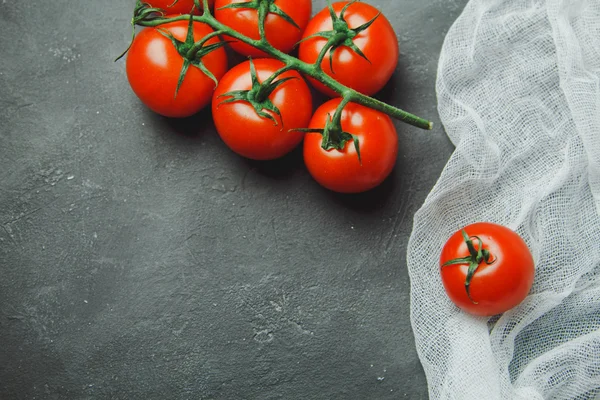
(341, 170)
(249, 134)
(504, 273)
(280, 33)
(154, 66)
(378, 43)
(172, 7)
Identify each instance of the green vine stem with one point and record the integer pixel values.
(312, 70)
(337, 117)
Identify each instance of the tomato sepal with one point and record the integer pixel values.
(334, 137)
(341, 35)
(193, 52)
(258, 95)
(474, 259)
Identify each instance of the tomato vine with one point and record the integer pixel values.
(146, 16)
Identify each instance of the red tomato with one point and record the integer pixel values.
(378, 43)
(280, 33)
(498, 284)
(154, 66)
(172, 7)
(251, 135)
(341, 170)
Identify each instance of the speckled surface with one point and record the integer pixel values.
(140, 258)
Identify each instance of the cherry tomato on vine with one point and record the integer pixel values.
(239, 124)
(154, 67)
(172, 7)
(377, 42)
(486, 269)
(341, 170)
(279, 24)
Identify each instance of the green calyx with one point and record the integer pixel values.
(341, 35)
(474, 259)
(334, 137)
(258, 95)
(193, 52)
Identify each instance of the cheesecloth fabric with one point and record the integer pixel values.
(519, 96)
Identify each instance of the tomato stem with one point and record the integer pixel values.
(312, 70)
(337, 117)
(263, 11)
(192, 53)
(331, 42)
(266, 88)
(335, 136)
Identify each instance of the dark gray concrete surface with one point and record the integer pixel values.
(141, 259)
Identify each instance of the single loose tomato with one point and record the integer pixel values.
(238, 121)
(377, 42)
(341, 170)
(486, 269)
(175, 7)
(283, 26)
(154, 66)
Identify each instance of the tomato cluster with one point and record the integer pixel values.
(262, 109)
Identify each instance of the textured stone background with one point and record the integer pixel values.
(140, 258)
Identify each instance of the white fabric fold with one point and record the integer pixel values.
(519, 96)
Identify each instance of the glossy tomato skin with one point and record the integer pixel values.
(340, 170)
(250, 135)
(379, 44)
(280, 33)
(154, 65)
(497, 287)
(181, 7)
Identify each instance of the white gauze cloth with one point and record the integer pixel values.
(519, 96)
